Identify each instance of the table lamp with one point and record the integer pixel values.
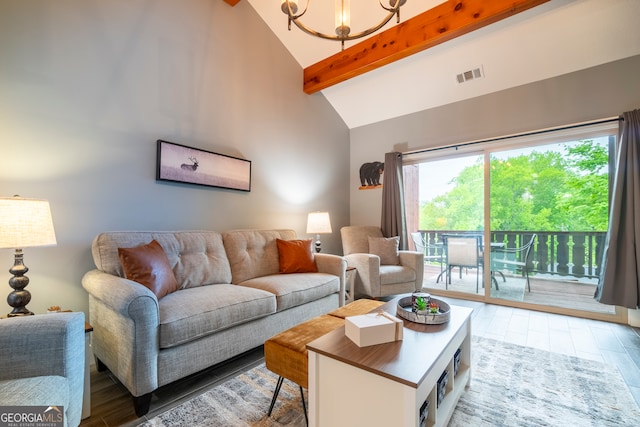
(23, 223)
(318, 223)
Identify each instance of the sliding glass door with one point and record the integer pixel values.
(549, 214)
(451, 222)
(545, 203)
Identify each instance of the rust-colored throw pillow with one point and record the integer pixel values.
(295, 256)
(149, 266)
(386, 248)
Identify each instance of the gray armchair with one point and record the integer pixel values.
(42, 362)
(376, 279)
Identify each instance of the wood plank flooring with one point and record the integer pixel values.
(545, 291)
(605, 342)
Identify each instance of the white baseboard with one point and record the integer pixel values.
(634, 318)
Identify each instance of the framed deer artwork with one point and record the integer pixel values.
(179, 163)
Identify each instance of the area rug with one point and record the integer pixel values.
(241, 401)
(511, 385)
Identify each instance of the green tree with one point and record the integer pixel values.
(542, 190)
(588, 187)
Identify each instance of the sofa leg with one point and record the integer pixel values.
(141, 404)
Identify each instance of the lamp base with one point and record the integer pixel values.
(19, 297)
(318, 244)
(20, 313)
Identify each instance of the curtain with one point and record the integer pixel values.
(619, 282)
(393, 222)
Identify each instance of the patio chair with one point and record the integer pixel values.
(463, 252)
(429, 251)
(517, 258)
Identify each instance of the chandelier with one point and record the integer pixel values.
(343, 19)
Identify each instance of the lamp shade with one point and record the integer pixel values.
(25, 223)
(318, 223)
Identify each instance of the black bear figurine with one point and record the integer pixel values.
(370, 174)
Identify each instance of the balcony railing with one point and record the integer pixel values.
(575, 253)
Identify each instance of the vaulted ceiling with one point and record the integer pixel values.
(414, 65)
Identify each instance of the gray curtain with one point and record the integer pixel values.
(619, 282)
(393, 222)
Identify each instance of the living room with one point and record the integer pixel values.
(88, 87)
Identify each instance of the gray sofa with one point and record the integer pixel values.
(231, 298)
(42, 362)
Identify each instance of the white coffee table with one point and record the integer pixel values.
(388, 384)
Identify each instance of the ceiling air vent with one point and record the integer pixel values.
(476, 73)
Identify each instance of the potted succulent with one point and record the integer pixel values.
(433, 308)
(421, 306)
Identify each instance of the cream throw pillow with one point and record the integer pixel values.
(386, 248)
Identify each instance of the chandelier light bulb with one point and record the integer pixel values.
(343, 18)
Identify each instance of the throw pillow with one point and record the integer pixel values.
(149, 266)
(295, 256)
(386, 248)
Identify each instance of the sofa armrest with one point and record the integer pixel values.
(368, 267)
(44, 345)
(126, 322)
(118, 293)
(414, 260)
(336, 265)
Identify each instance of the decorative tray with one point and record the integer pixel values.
(406, 311)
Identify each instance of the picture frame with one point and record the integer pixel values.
(180, 163)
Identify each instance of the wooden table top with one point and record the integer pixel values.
(407, 361)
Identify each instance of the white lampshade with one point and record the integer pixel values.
(25, 223)
(318, 223)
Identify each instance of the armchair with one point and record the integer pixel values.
(375, 278)
(42, 362)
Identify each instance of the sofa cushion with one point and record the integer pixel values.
(193, 313)
(202, 259)
(296, 289)
(390, 274)
(253, 253)
(295, 256)
(386, 248)
(355, 238)
(197, 257)
(149, 266)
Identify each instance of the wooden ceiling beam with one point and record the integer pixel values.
(444, 22)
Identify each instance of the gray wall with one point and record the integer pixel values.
(87, 87)
(603, 91)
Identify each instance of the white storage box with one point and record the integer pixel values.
(373, 328)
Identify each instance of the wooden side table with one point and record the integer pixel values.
(350, 285)
(86, 398)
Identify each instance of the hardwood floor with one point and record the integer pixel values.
(605, 342)
(545, 290)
